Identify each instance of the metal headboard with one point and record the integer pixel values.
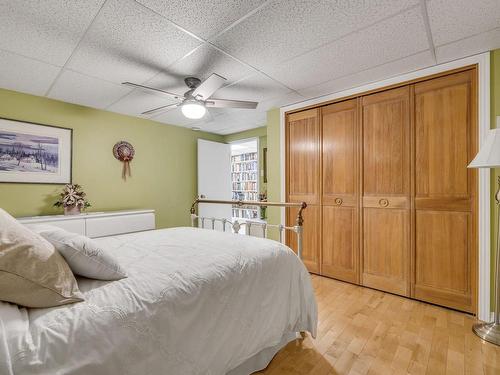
(236, 225)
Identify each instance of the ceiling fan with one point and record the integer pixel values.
(197, 99)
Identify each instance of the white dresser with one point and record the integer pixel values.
(98, 224)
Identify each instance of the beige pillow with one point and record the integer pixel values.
(32, 272)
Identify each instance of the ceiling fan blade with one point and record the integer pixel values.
(224, 103)
(159, 109)
(209, 86)
(137, 86)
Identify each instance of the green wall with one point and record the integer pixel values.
(495, 111)
(273, 167)
(260, 133)
(163, 170)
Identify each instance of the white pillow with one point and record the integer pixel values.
(83, 255)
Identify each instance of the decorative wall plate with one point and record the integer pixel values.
(124, 152)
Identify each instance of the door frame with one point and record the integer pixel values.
(484, 118)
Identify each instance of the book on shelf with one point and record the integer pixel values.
(244, 179)
(245, 213)
(244, 157)
(241, 167)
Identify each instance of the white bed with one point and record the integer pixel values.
(196, 302)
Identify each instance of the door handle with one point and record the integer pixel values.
(383, 202)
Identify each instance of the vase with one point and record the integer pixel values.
(72, 210)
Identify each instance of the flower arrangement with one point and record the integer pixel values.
(263, 198)
(72, 199)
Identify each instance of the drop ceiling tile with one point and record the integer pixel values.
(203, 18)
(204, 61)
(220, 122)
(232, 129)
(254, 88)
(253, 119)
(128, 42)
(280, 101)
(232, 121)
(168, 81)
(139, 101)
(458, 19)
(286, 28)
(25, 75)
(207, 60)
(391, 69)
(209, 127)
(470, 46)
(400, 36)
(45, 30)
(80, 89)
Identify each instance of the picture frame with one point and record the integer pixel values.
(33, 153)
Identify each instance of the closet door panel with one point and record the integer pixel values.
(445, 191)
(386, 249)
(340, 243)
(386, 191)
(339, 147)
(311, 238)
(303, 167)
(340, 186)
(386, 143)
(442, 137)
(443, 259)
(303, 182)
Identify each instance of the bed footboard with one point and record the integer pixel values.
(236, 225)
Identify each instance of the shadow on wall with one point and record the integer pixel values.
(47, 203)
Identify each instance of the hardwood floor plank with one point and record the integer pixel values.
(363, 332)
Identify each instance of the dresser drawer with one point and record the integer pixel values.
(75, 226)
(112, 225)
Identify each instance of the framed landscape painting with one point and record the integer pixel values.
(34, 153)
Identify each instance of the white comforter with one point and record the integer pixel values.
(196, 302)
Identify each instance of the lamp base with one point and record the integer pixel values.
(488, 331)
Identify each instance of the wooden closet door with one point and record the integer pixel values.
(445, 190)
(303, 176)
(340, 200)
(386, 191)
(311, 238)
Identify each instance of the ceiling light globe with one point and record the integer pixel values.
(193, 110)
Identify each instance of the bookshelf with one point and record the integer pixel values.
(244, 180)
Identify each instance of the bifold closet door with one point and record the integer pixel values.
(386, 191)
(303, 179)
(445, 191)
(340, 199)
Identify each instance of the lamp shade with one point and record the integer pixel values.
(489, 154)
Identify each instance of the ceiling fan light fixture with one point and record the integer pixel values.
(193, 109)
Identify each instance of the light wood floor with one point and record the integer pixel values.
(364, 331)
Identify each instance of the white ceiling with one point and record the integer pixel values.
(276, 52)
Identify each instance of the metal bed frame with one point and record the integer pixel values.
(236, 225)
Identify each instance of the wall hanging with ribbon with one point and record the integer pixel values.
(124, 152)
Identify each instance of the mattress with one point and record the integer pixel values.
(196, 301)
